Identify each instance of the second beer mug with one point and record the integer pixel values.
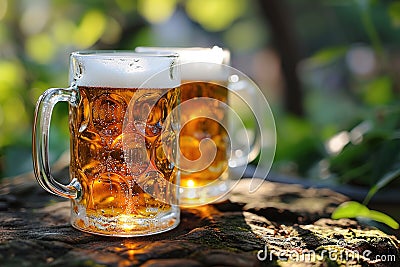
(121, 121)
(207, 149)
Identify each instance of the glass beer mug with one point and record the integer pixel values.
(121, 120)
(206, 145)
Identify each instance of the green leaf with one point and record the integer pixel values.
(388, 178)
(381, 183)
(383, 218)
(353, 209)
(350, 209)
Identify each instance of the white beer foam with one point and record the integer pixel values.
(125, 70)
(198, 63)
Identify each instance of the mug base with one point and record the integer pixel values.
(214, 193)
(127, 225)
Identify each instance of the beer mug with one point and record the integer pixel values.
(207, 148)
(121, 120)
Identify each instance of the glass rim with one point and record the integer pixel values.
(123, 53)
(145, 49)
(214, 54)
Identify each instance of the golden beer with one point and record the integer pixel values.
(204, 75)
(98, 161)
(200, 128)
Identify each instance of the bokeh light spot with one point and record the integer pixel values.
(34, 18)
(245, 30)
(215, 15)
(62, 30)
(11, 73)
(3, 8)
(90, 29)
(40, 48)
(156, 11)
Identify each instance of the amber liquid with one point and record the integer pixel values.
(112, 150)
(200, 128)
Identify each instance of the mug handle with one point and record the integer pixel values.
(254, 150)
(244, 93)
(40, 142)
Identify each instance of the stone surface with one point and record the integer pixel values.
(279, 225)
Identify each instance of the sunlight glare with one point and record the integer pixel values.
(338, 142)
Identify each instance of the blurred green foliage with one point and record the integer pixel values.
(336, 40)
(357, 142)
(36, 38)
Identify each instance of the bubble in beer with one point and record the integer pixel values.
(135, 153)
(110, 193)
(108, 113)
(147, 113)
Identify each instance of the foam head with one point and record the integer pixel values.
(124, 69)
(198, 63)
